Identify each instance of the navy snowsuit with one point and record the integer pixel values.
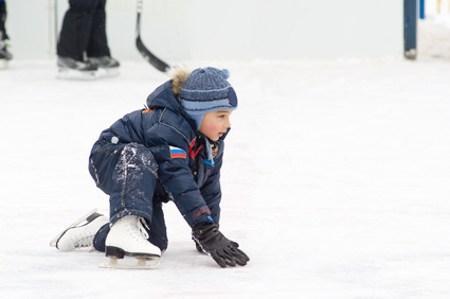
(135, 163)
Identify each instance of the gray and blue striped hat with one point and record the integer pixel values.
(206, 90)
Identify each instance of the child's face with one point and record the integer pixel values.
(215, 124)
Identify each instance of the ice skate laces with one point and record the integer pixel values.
(84, 242)
(143, 227)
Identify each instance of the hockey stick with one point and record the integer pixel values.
(149, 56)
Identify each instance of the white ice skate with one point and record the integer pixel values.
(127, 246)
(81, 233)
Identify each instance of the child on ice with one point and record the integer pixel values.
(171, 150)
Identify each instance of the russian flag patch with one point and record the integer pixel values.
(177, 153)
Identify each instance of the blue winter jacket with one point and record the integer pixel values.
(192, 184)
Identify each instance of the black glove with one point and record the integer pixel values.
(200, 249)
(214, 243)
(197, 246)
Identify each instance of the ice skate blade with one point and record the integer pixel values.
(78, 222)
(133, 263)
(107, 73)
(68, 74)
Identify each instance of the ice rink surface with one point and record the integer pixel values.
(336, 182)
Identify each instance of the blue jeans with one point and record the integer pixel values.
(128, 174)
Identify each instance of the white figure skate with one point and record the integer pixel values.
(127, 246)
(79, 234)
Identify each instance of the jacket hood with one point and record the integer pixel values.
(166, 95)
(163, 97)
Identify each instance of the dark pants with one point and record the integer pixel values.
(84, 30)
(128, 174)
(3, 34)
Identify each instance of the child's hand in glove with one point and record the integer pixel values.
(214, 243)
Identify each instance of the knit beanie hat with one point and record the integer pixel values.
(206, 90)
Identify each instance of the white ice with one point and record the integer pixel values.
(336, 182)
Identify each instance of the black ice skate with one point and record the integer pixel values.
(79, 234)
(69, 68)
(5, 55)
(107, 66)
(127, 246)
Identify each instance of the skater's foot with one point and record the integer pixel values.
(81, 233)
(72, 69)
(67, 63)
(4, 53)
(104, 62)
(127, 244)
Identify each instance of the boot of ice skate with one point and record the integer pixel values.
(127, 245)
(5, 55)
(69, 68)
(106, 62)
(81, 233)
(107, 65)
